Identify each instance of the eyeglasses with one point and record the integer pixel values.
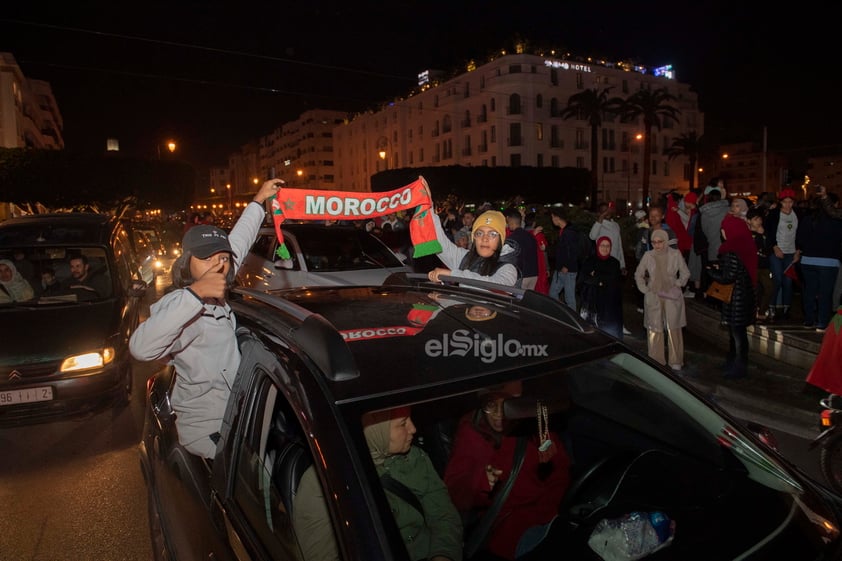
(491, 234)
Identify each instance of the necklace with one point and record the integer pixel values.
(546, 447)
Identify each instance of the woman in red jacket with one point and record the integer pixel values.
(482, 459)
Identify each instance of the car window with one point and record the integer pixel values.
(339, 249)
(273, 459)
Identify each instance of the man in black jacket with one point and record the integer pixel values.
(527, 259)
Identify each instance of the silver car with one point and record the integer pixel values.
(320, 255)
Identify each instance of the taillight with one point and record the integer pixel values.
(827, 418)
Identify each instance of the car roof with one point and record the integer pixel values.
(57, 229)
(404, 337)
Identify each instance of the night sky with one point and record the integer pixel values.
(213, 76)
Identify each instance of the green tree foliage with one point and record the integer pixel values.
(592, 105)
(64, 179)
(655, 109)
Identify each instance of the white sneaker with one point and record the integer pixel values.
(626, 331)
(640, 310)
(689, 293)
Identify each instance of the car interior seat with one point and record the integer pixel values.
(289, 455)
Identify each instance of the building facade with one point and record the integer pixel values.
(29, 115)
(508, 113)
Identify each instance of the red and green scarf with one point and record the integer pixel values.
(301, 204)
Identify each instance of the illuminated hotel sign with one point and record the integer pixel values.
(665, 71)
(565, 65)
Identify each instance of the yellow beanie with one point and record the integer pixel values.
(494, 220)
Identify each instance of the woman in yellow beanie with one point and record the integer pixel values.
(488, 257)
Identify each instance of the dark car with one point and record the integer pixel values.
(316, 360)
(65, 349)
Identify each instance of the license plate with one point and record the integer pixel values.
(26, 395)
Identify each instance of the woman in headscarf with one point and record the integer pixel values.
(737, 264)
(660, 276)
(436, 533)
(489, 257)
(599, 284)
(13, 287)
(482, 460)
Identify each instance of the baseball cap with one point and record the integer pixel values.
(203, 240)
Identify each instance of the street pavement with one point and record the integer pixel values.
(774, 393)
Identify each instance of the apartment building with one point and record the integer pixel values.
(29, 115)
(507, 113)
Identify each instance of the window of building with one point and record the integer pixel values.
(554, 109)
(539, 131)
(493, 161)
(580, 162)
(420, 155)
(514, 69)
(555, 137)
(514, 160)
(446, 125)
(554, 76)
(540, 161)
(493, 134)
(436, 101)
(493, 104)
(580, 139)
(554, 161)
(467, 91)
(515, 135)
(580, 80)
(514, 104)
(466, 145)
(539, 101)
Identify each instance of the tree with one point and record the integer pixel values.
(653, 106)
(592, 105)
(690, 146)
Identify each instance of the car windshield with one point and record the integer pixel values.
(46, 275)
(341, 249)
(604, 408)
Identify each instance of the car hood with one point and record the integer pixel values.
(39, 334)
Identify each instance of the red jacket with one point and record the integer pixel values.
(534, 498)
(825, 372)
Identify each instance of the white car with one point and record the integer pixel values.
(320, 255)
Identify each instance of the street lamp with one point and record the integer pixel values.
(230, 206)
(170, 144)
(638, 136)
(382, 149)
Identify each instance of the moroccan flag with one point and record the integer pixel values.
(302, 204)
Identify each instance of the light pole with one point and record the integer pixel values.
(230, 205)
(638, 136)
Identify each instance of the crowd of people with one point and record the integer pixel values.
(679, 245)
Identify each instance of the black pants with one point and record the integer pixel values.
(737, 359)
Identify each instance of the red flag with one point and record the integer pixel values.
(792, 273)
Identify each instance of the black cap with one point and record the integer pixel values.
(202, 241)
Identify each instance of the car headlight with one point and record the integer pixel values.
(158, 264)
(88, 360)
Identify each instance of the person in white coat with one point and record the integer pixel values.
(193, 327)
(660, 276)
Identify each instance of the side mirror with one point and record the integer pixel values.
(284, 264)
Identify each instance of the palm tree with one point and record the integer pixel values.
(591, 105)
(688, 145)
(653, 106)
